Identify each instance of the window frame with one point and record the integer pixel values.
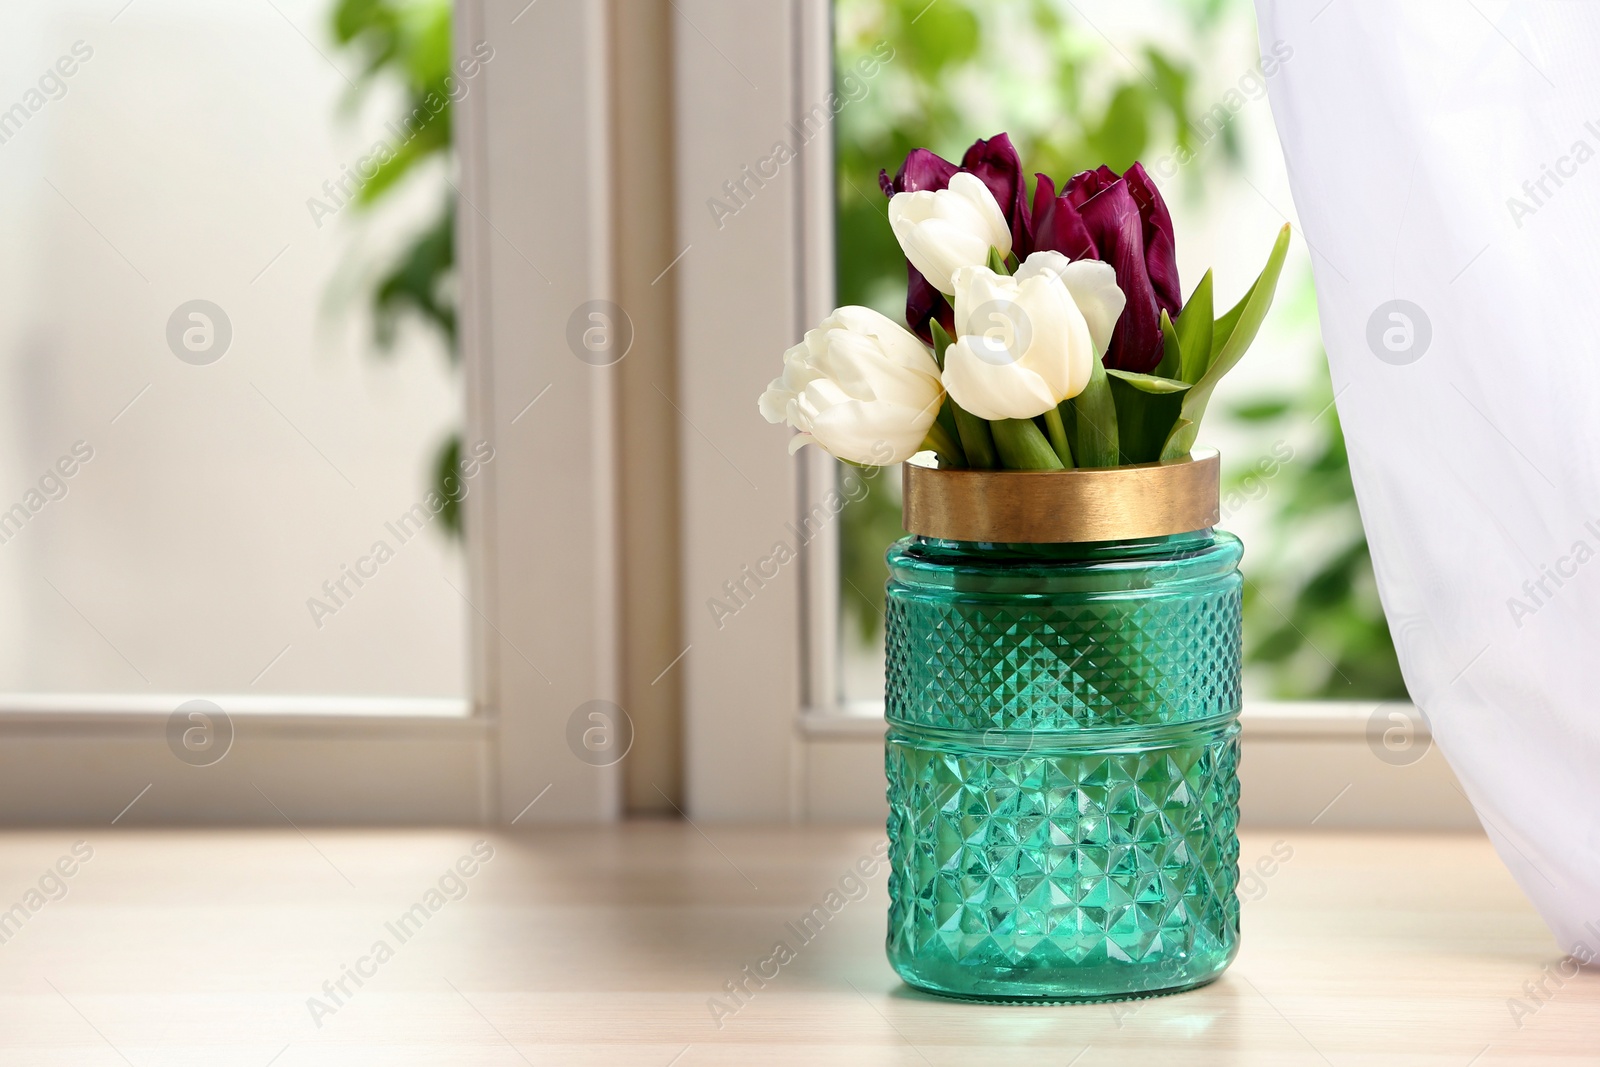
(747, 286)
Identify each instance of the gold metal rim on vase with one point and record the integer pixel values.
(1054, 507)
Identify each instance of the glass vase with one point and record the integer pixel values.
(1062, 758)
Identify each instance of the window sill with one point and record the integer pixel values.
(120, 714)
(292, 761)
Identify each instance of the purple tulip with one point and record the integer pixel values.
(1160, 252)
(997, 165)
(1057, 226)
(921, 170)
(994, 162)
(1122, 220)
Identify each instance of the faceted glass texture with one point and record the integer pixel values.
(1062, 759)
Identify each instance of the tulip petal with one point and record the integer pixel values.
(1160, 250)
(856, 366)
(774, 403)
(985, 210)
(988, 391)
(1083, 311)
(1094, 289)
(924, 305)
(938, 249)
(1112, 215)
(1059, 345)
(1027, 324)
(876, 340)
(1056, 225)
(1087, 185)
(942, 231)
(892, 434)
(921, 170)
(995, 162)
(977, 287)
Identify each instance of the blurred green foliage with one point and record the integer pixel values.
(1069, 119)
(1314, 628)
(408, 40)
(1070, 101)
(408, 43)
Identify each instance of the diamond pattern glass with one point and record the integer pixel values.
(1062, 760)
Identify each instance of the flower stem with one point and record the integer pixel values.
(1057, 433)
(947, 420)
(1022, 447)
(1096, 422)
(975, 439)
(945, 446)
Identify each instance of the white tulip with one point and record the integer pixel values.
(860, 385)
(946, 229)
(1026, 343)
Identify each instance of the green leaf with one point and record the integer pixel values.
(1055, 429)
(416, 282)
(447, 474)
(941, 341)
(1230, 319)
(1278, 645)
(1246, 323)
(947, 420)
(976, 441)
(1096, 416)
(1171, 353)
(1022, 447)
(1172, 87)
(934, 36)
(431, 138)
(997, 262)
(1261, 411)
(1144, 415)
(1150, 383)
(1183, 428)
(945, 441)
(1195, 329)
(1124, 130)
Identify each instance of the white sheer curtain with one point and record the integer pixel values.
(1445, 162)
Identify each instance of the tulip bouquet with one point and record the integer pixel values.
(1039, 339)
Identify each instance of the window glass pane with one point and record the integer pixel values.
(1181, 86)
(209, 476)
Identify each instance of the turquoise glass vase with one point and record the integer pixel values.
(1062, 759)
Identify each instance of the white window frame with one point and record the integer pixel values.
(766, 737)
(747, 285)
(542, 577)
